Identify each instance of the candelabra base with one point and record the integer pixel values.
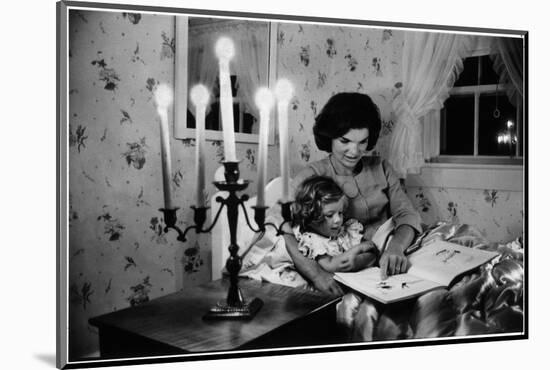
(223, 311)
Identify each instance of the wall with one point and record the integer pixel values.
(322, 61)
(325, 60)
(119, 254)
(487, 196)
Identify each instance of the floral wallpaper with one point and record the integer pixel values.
(119, 254)
(323, 61)
(497, 214)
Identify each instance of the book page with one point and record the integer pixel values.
(394, 288)
(441, 261)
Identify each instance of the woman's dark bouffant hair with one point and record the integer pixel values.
(343, 112)
(312, 194)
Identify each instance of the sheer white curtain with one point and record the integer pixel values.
(251, 63)
(202, 62)
(508, 64)
(431, 64)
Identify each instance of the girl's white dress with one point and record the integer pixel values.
(313, 245)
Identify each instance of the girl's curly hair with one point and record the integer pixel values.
(312, 194)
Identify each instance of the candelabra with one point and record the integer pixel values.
(235, 306)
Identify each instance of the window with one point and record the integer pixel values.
(244, 121)
(252, 66)
(478, 123)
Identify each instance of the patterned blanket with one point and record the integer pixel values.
(486, 301)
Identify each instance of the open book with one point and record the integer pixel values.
(433, 266)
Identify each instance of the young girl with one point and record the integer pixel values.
(320, 229)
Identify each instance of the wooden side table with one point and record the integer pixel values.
(174, 324)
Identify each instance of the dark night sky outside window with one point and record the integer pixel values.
(478, 85)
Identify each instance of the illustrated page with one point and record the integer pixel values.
(442, 261)
(394, 288)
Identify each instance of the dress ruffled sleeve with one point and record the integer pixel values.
(312, 245)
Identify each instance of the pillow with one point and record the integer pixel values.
(245, 236)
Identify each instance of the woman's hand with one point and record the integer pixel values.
(393, 262)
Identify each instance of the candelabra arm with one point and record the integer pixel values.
(209, 228)
(170, 219)
(280, 228)
(181, 235)
(286, 212)
(248, 220)
(199, 218)
(259, 217)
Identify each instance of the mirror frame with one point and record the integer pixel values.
(181, 131)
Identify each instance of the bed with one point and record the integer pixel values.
(488, 300)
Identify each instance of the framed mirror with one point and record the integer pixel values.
(251, 68)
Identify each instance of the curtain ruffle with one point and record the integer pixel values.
(431, 65)
(508, 64)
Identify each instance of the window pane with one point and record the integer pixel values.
(468, 77)
(488, 75)
(457, 125)
(249, 124)
(493, 118)
(190, 119)
(236, 117)
(213, 117)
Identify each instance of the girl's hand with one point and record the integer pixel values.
(355, 259)
(325, 283)
(393, 262)
(367, 246)
(346, 263)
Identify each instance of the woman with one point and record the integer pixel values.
(347, 127)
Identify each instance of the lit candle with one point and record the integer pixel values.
(199, 98)
(163, 99)
(283, 92)
(225, 52)
(264, 101)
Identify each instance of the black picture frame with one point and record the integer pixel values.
(63, 188)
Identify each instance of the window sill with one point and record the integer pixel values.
(477, 161)
(212, 135)
(479, 176)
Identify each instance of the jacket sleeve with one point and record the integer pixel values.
(401, 208)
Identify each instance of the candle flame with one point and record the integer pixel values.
(163, 96)
(225, 49)
(264, 98)
(199, 95)
(284, 90)
(510, 124)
